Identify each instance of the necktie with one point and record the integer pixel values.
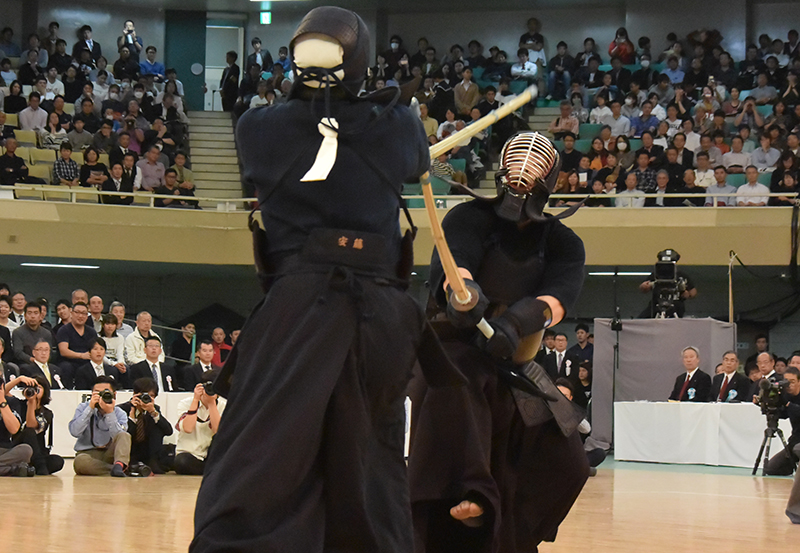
(723, 390)
(560, 360)
(46, 371)
(155, 373)
(140, 434)
(684, 388)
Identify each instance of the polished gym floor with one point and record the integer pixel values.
(627, 507)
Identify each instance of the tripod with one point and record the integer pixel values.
(769, 433)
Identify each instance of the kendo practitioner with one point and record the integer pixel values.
(486, 475)
(309, 455)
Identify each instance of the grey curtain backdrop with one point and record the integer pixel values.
(649, 361)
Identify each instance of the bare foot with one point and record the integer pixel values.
(468, 512)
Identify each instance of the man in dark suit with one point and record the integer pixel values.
(42, 367)
(192, 375)
(117, 184)
(567, 364)
(147, 427)
(6, 351)
(766, 366)
(685, 156)
(694, 384)
(229, 83)
(86, 43)
(87, 373)
(730, 385)
(654, 151)
(620, 77)
(117, 153)
(164, 373)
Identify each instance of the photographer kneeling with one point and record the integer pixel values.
(38, 422)
(198, 425)
(147, 427)
(781, 464)
(13, 458)
(104, 445)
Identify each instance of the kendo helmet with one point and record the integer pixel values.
(346, 28)
(529, 167)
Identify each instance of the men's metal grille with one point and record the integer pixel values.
(529, 158)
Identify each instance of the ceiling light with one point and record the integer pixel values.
(620, 273)
(59, 266)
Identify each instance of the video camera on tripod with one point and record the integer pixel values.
(772, 400)
(668, 286)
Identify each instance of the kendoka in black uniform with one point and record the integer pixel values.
(472, 443)
(309, 453)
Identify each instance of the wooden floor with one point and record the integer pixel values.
(627, 508)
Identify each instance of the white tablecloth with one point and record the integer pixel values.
(719, 434)
(64, 402)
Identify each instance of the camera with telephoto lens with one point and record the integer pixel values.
(107, 396)
(208, 387)
(30, 391)
(771, 397)
(145, 397)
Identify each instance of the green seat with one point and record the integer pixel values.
(658, 66)
(589, 130)
(765, 178)
(583, 145)
(605, 68)
(744, 94)
(459, 164)
(415, 203)
(477, 72)
(765, 111)
(439, 187)
(633, 67)
(517, 87)
(636, 143)
(413, 189)
(737, 179)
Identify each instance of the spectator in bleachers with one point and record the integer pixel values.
(766, 157)
(28, 334)
(622, 47)
(193, 374)
(704, 174)
(33, 117)
(93, 173)
(764, 93)
(159, 134)
(727, 192)
(170, 187)
(7, 74)
(645, 175)
(96, 313)
(65, 170)
(559, 68)
(645, 77)
(221, 349)
(694, 384)
(117, 153)
(718, 138)
(53, 135)
(113, 100)
(79, 137)
(74, 342)
(644, 122)
(612, 172)
(673, 71)
(418, 59)
(117, 184)
(118, 310)
(725, 73)
(626, 158)
(719, 125)
(582, 59)
(97, 366)
(135, 342)
(707, 146)
(664, 90)
(620, 76)
(565, 122)
(6, 131)
(131, 176)
(663, 186)
(601, 113)
(654, 151)
(672, 167)
(105, 140)
(197, 426)
(524, 69)
(7, 45)
(440, 167)
(466, 93)
(578, 111)
(498, 68)
(590, 76)
(130, 39)
(708, 102)
(696, 76)
(585, 172)
(185, 177)
(260, 57)
(788, 163)
(620, 125)
(689, 186)
(54, 87)
(428, 123)
(154, 365)
(597, 154)
(101, 89)
(627, 197)
(752, 193)
(570, 157)
(115, 345)
(229, 82)
(30, 70)
(18, 302)
(60, 59)
(91, 122)
(181, 350)
(152, 67)
(736, 160)
(13, 168)
(685, 156)
(86, 43)
(73, 86)
(659, 112)
(151, 169)
(34, 45)
(260, 98)
(787, 185)
(101, 65)
(126, 67)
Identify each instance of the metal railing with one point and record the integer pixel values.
(680, 195)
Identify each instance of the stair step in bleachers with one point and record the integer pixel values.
(198, 152)
(229, 175)
(202, 168)
(216, 160)
(217, 131)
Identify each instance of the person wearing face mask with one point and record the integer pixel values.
(625, 157)
(630, 109)
(646, 76)
(394, 53)
(113, 101)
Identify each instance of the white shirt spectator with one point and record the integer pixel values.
(526, 71)
(732, 158)
(198, 442)
(659, 112)
(625, 199)
(115, 349)
(599, 115)
(54, 89)
(752, 193)
(134, 348)
(619, 127)
(32, 119)
(704, 178)
(692, 141)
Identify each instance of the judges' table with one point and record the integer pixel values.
(720, 434)
(64, 402)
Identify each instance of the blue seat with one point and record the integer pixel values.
(605, 68)
(744, 94)
(765, 110)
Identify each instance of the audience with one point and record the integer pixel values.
(96, 367)
(154, 366)
(693, 384)
(198, 424)
(135, 342)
